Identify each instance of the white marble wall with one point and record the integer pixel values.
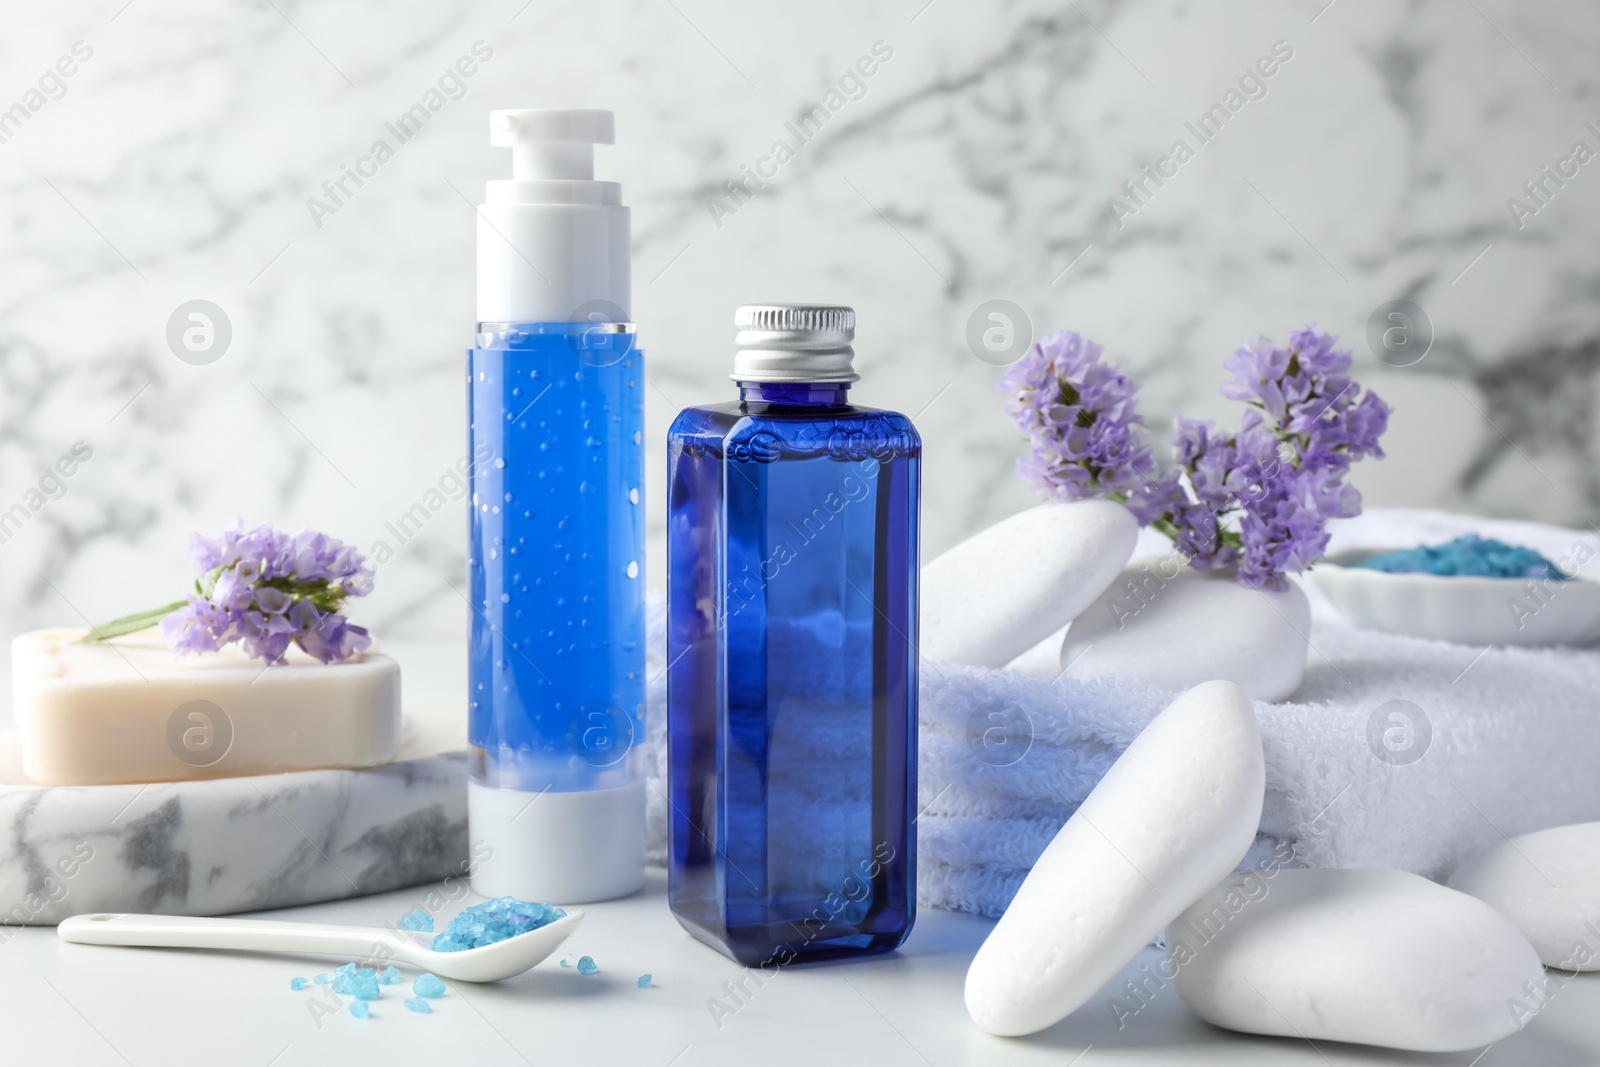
(978, 163)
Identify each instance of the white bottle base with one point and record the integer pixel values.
(565, 848)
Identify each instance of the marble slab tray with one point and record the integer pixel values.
(235, 844)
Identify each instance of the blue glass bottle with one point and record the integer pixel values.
(792, 530)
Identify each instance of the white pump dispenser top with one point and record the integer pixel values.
(552, 241)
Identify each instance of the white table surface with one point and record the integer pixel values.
(81, 1004)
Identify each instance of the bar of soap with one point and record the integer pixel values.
(130, 710)
(1169, 820)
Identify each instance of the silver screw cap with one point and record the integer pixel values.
(794, 343)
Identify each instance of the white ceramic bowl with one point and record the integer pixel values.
(1464, 609)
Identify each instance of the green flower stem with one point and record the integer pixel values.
(128, 624)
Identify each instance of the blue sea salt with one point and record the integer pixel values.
(586, 965)
(323, 979)
(494, 920)
(360, 1009)
(297, 983)
(389, 977)
(644, 981)
(563, 961)
(418, 1005)
(428, 985)
(1471, 555)
(359, 982)
(416, 919)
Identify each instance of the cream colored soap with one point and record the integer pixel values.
(130, 710)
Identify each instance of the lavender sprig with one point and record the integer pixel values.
(266, 590)
(1255, 501)
(1081, 418)
(1258, 500)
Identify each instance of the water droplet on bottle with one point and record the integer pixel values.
(633, 496)
(505, 598)
(633, 569)
(499, 464)
(564, 524)
(638, 438)
(594, 442)
(493, 554)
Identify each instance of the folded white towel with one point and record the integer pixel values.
(1006, 758)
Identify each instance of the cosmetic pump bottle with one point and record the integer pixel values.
(792, 524)
(556, 539)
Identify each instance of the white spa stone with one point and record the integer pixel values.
(1003, 590)
(1372, 957)
(1169, 626)
(1548, 884)
(1172, 817)
(131, 710)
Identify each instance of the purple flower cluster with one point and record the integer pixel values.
(266, 590)
(1258, 500)
(1255, 501)
(1081, 418)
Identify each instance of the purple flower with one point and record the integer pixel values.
(266, 590)
(1081, 418)
(1255, 501)
(1266, 492)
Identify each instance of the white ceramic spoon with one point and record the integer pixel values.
(487, 964)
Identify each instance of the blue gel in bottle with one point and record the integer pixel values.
(792, 533)
(556, 652)
(555, 401)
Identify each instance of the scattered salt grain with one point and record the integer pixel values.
(360, 1009)
(644, 981)
(297, 983)
(389, 977)
(353, 981)
(418, 1005)
(323, 979)
(586, 965)
(427, 985)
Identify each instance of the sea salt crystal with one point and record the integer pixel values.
(389, 977)
(297, 983)
(418, 1005)
(644, 981)
(359, 982)
(492, 921)
(428, 985)
(586, 965)
(360, 1009)
(416, 919)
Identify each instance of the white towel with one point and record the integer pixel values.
(1515, 744)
